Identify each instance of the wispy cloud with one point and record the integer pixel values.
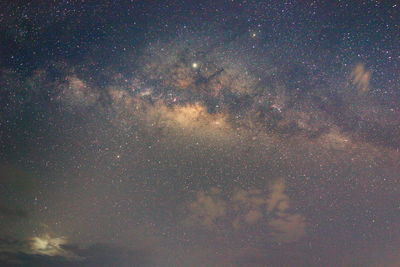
(360, 78)
(213, 210)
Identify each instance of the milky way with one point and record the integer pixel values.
(238, 133)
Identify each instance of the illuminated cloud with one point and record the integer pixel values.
(360, 78)
(207, 208)
(278, 200)
(47, 245)
(287, 228)
(50, 251)
(44, 245)
(249, 207)
(253, 216)
(51, 246)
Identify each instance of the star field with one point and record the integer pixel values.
(199, 133)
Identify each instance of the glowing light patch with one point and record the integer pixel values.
(47, 245)
(195, 116)
(191, 120)
(195, 65)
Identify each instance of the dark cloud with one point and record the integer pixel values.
(111, 255)
(18, 253)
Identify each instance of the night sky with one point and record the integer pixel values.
(200, 133)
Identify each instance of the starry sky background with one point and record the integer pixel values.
(199, 133)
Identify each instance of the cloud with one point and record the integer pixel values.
(207, 208)
(249, 205)
(15, 252)
(102, 254)
(248, 208)
(252, 216)
(38, 245)
(46, 251)
(278, 200)
(249, 257)
(360, 78)
(287, 227)
(50, 246)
